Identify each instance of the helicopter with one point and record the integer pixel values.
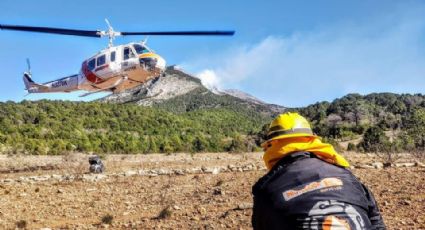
(113, 69)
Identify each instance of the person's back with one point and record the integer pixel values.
(308, 185)
(304, 192)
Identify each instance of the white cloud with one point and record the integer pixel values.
(383, 54)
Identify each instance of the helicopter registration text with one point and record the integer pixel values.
(59, 84)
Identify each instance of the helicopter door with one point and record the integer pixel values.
(102, 67)
(129, 59)
(128, 53)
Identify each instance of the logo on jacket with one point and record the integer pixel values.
(328, 215)
(326, 183)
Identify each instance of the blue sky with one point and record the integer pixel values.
(292, 53)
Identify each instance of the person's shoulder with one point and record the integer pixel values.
(279, 170)
(298, 169)
(263, 181)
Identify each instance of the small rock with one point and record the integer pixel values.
(407, 165)
(215, 171)
(195, 170)
(179, 172)
(163, 172)
(249, 167)
(176, 207)
(22, 194)
(245, 206)
(130, 173)
(406, 202)
(100, 176)
(142, 172)
(378, 165)
(56, 177)
(59, 191)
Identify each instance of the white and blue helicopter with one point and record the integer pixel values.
(113, 69)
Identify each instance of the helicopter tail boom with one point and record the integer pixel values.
(66, 84)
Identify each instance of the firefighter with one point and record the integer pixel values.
(308, 185)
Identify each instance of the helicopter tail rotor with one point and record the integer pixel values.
(28, 66)
(29, 83)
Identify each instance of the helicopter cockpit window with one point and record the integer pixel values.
(100, 60)
(92, 64)
(128, 53)
(140, 49)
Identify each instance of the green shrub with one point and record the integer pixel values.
(351, 147)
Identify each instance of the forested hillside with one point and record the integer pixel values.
(55, 127)
(387, 121)
(379, 122)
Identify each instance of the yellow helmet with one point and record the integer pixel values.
(288, 125)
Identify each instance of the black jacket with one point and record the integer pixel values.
(304, 192)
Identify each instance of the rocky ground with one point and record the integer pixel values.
(177, 191)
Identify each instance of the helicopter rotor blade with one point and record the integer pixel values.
(52, 30)
(111, 32)
(184, 33)
(108, 24)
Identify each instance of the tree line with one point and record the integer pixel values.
(385, 121)
(56, 127)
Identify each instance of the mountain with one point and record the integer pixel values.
(243, 96)
(179, 92)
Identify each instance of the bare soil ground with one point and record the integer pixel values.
(184, 200)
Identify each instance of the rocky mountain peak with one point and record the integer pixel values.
(178, 91)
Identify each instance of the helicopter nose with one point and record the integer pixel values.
(156, 62)
(160, 63)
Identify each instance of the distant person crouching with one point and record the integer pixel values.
(96, 165)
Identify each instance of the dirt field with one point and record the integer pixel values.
(201, 191)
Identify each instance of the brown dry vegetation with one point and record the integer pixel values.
(188, 201)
